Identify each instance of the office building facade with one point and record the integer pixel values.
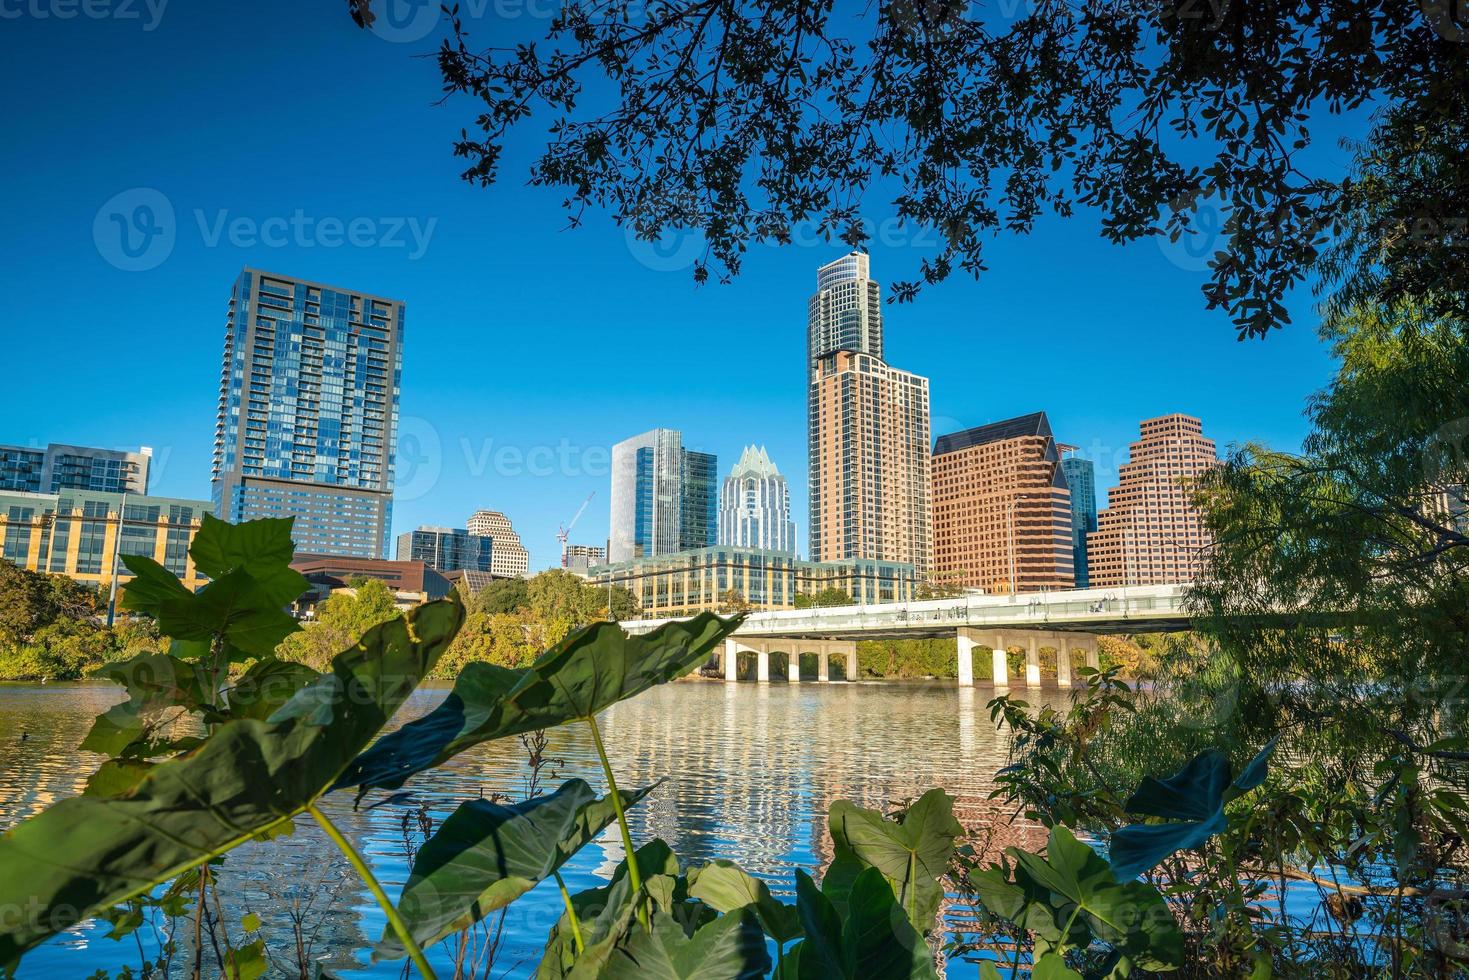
(695, 581)
(582, 558)
(77, 533)
(1150, 532)
(308, 411)
(867, 430)
(1002, 508)
(1081, 478)
(446, 549)
(755, 506)
(665, 498)
(61, 467)
(508, 559)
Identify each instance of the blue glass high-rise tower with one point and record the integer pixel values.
(308, 411)
(1082, 478)
(665, 498)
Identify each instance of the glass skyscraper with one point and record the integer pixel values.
(665, 498)
(447, 549)
(308, 411)
(1081, 476)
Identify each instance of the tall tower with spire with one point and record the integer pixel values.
(867, 429)
(755, 506)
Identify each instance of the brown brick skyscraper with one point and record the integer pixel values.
(1001, 507)
(1150, 534)
(868, 429)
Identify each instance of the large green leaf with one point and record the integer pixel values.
(603, 912)
(912, 854)
(730, 947)
(873, 941)
(724, 887)
(267, 686)
(1139, 847)
(486, 855)
(1193, 799)
(157, 684)
(1132, 917)
(584, 673)
(249, 777)
(258, 547)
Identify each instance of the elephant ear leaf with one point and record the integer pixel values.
(724, 887)
(1195, 792)
(912, 854)
(1254, 774)
(247, 778)
(729, 947)
(591, 669)
(487, 855)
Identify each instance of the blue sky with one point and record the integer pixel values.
(530, 349)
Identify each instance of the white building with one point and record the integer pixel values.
(755, 506)
(508, 557)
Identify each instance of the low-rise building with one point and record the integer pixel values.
(76, 533)
(411, 582)
(508, 559)
(694, 581)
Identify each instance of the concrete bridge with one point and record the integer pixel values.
(1067, 622)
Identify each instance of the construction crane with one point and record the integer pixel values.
(566, 528)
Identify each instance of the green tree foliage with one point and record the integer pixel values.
(339, 620)
(749, 122)
(503, 595)
(31, 600)
(823, 599)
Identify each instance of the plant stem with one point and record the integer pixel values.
(368, 878)
(634, 876)
(581, 946)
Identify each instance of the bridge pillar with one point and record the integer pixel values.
(793, 666)
(852, 662)
(1093, 656)
(966, 642)
(762, 664)
(1033, 662)
(823, 655)
(1063, 662)
(1000, 661)
(731, 660)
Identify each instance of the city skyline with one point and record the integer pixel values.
(512, 433)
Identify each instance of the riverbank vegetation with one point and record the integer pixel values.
(49, 629)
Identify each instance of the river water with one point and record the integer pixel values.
(749, 772)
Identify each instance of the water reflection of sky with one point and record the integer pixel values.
(750, 771)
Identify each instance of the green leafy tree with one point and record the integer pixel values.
(560, 596)
(1184, 121)
(503, 595)
(733, 601)
(340, 619)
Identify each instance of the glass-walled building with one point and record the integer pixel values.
(1081, 477)
(665, 498)
(447, 549)
(308, 412)
(61, 467)
(694, 581)
(76, 533)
